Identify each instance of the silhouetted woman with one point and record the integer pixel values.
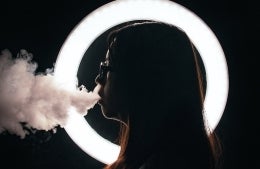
(150, 82)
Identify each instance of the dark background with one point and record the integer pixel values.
(41, 28)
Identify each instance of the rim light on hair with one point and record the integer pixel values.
(118, 12)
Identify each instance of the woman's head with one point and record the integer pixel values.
(150, 62)
(149, 81)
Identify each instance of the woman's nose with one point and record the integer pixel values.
(99, 80)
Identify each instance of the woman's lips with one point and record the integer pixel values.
(100, 102)
(98, 91)
(97, 88)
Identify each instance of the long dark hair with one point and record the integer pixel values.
(159, 68)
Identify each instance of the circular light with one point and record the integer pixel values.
(118, 12)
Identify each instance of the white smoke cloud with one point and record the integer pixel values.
(30, 100)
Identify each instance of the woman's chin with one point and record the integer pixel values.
(107, 114)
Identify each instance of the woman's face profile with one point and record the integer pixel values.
(111, 101)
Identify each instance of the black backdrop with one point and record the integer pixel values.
(41, 27)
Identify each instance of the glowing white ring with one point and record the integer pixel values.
(118, 12)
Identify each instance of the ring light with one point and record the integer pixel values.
(115, 13)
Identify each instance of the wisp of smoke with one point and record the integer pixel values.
(34, 101)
